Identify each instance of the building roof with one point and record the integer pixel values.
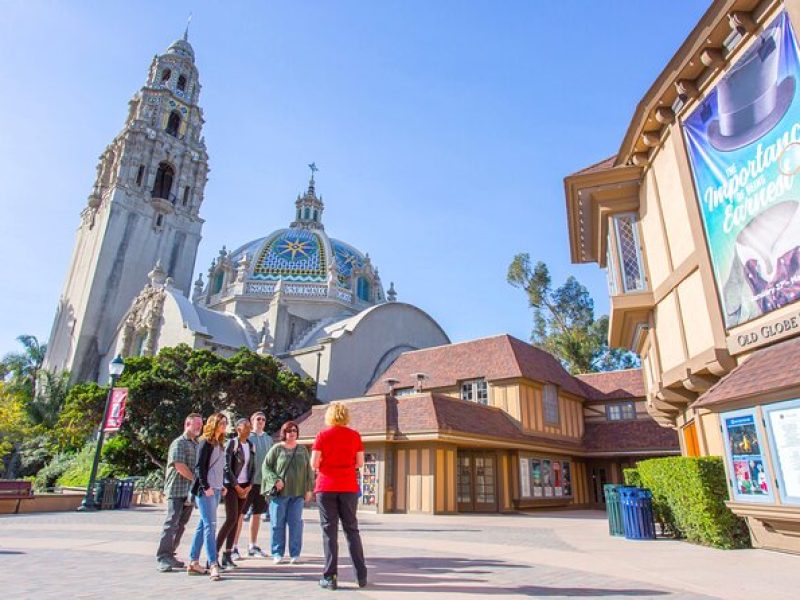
(613, 385)
(602, 165)
(643, 435)
(769, 369)
(494, 358)
(428, 413)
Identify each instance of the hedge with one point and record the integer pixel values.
(689, 499)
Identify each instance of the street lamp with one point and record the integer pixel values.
(115, 369)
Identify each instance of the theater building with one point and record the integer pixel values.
(696, 220)
(496, 425)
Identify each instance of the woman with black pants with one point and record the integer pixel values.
(238, 477)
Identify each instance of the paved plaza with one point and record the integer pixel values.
(547, 555)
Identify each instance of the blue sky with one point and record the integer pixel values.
(442, 130)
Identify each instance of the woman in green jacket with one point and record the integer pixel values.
(287, 468)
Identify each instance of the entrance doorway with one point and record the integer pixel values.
(476, 484)
(598, 477)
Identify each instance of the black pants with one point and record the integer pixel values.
(233, 508)
(178, 513)
(332, 507)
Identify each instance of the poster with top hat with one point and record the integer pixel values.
(743, 142)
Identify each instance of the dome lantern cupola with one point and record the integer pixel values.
(309, 206)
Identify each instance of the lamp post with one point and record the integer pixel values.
(115, 369)
(316, 377)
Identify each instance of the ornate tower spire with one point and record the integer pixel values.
(309, 206)
(143, 210)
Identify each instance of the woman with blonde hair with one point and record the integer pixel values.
(336, 454)
(206, 490)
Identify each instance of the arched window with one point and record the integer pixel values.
(305, 213)
(186, 195)
(159, 220)
(363, 289)
(174, 123)
(314, 214)
(298, 214)
(163, 183)
(182, 83)
(140, 175)
(216, 288)
(165, 75)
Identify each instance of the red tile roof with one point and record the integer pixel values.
(768, 369)
(494, 358)
(613, 385)
(642, 435)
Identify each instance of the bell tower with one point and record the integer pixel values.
(143, 209)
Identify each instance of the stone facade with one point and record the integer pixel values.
(143, 209)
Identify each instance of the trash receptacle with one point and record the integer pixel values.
(109, 494)
(613, 508)
(97, 495)
(637, 513)
(124, 493)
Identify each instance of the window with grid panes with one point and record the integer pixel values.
(629, 255)
(621, 411)
(475, 390)
(550, 404)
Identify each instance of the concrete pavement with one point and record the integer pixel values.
(547, 555)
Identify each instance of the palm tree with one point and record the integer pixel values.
(22, 368)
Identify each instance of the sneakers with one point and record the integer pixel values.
(226, 564)
(235, 554)
(177, 564)
(328, 583)
(276, 560)
(164, 566)
(295, 560)
(256, 551)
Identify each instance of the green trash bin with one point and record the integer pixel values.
(614, 509)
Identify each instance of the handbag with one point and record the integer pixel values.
(274, 492)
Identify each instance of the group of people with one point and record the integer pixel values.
(249, 472)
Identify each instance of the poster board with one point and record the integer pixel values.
(748, 472)
(783, 427)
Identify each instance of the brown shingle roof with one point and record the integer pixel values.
(427, 413)
(604, 164)
(495, 358)
(629, 436)
(768, 369)
(612, 385)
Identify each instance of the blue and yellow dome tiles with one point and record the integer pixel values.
(292, 255)
(347, 258)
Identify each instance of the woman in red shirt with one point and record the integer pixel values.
(336, 454)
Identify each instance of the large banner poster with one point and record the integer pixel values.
(744, 147)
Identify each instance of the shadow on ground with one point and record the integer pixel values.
(437, 574)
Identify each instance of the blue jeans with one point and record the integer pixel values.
(283, 512)
(206, 528)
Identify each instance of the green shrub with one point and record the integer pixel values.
(689, 499)
(632, 477)
(47, 476)
(80, 467)
(154, 480)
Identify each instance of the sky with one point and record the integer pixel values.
(442, 132)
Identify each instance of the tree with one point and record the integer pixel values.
(163, 389)
(564, 321)
(23, 367)
(14, 428)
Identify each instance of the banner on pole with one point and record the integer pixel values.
(116, 410)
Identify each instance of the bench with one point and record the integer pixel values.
(15, 489)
